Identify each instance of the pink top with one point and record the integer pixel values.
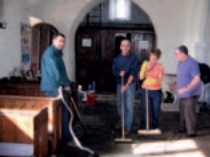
(152, 77)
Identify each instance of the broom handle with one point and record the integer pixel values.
(147, 110)
(122, 111)
(75, 107)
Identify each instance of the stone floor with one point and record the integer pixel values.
(99, 124)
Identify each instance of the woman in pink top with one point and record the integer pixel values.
(152, 73)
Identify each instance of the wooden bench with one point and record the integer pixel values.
(24, 92)
(23, 133)
(38, 104)
(27, 88)
(30, 88)
(20, 83)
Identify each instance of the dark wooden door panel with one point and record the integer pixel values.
(94, 63)
(87, 56)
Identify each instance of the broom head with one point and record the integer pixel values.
(149, 132)
(123, 140)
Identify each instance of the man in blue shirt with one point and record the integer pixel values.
(53, 76)
(188, 90)
(126, 66)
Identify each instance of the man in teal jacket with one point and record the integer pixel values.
(54, 75)
(53, 68)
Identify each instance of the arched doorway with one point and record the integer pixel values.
(97, 43)
(42, 35)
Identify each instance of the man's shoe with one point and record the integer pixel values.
(181, 130)
(117, 126)
(127, 132)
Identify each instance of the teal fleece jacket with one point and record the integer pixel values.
(53, 71)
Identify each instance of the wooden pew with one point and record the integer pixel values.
(29, 88)
(25, 92)
(23, 133)
(32, 89)
(38, 104)
(20, 87)
(20, 83)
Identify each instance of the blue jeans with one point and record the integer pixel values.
(66, 136)
(154, 101)
(129, 96)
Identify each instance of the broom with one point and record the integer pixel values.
(148, 131)
(123, 139)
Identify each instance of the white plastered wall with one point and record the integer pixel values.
(14, 12)
(175, 21)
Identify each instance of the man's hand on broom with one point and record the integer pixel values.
(124, 88)
(67, 88)
(122, 73)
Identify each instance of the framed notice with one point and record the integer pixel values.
(143, 44)
(86, 42)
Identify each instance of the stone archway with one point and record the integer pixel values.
(172, 21)
(95, 63)
(73, 28)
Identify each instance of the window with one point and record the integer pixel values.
(119, 9)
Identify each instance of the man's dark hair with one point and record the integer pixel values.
(183, 49)
(58, 34)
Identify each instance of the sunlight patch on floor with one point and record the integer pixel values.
(179, 148)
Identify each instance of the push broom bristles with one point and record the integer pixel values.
(150, 132)
(123, 140)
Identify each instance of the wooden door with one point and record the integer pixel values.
(107, 80)
(87, 57)
(42, 35)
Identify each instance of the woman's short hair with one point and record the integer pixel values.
(155, 52)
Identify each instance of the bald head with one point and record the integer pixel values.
(125, 46)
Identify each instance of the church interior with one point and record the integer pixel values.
(31, 122)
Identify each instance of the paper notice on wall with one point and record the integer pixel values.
(86, 42)
(143, 44)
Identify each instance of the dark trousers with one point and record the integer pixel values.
(66, 136)
(154, 102)
(188, 118)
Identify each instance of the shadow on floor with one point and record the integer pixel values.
(99, 124)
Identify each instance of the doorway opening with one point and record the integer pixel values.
(98, 40)
(118, 38)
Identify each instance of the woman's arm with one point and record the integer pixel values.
(143, 70)
(161, 74)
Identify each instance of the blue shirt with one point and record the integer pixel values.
(186, 71)
(127, 63)
(53, 70)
